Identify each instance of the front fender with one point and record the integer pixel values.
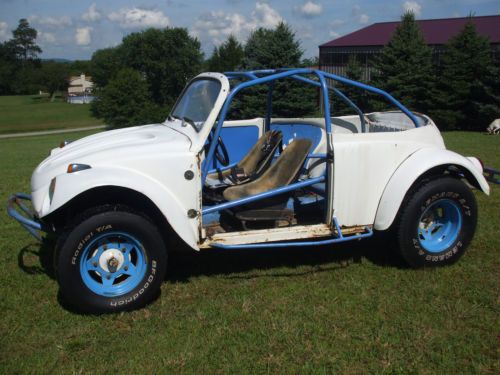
(173, 205)
(411, 169)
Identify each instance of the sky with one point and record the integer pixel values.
(75, 29)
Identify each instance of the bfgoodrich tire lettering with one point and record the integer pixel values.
(111, 261)
(437, 223)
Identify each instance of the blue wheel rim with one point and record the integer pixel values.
(440, 225)
(113, 264)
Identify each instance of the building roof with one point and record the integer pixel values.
(437, 31)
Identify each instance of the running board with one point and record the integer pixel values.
(277, 234)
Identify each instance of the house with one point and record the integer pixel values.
(368, 42)
(79, 89)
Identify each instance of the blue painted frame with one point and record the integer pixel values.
(29, 221)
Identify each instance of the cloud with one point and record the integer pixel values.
(45, 37)
(412, 6)
(92, 14)
(219, 25)
(310, 9)
(131, 18)
(334, 34)
(335, 24)
(216, 26)
(363, 19)
(51, 22)
(4, 31)
(83, 36)
(265, 16)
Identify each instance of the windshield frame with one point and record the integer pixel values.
(184, 91)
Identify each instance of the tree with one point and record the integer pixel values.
(354, 71)
(7, 68)
(23, 42)
(104, 64)
(405, 67)
(275, 48)
(79, 66)
(272, 48)
(126, 101)
(168, 58)
(227, 57)
(53, 77)
(163, 58)
(468, 88)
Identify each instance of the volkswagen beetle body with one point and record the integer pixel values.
(361, 173)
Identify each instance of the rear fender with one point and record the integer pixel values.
(417, 165)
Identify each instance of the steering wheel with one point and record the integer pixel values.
(220, 153)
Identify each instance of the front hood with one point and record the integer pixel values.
(112, 148)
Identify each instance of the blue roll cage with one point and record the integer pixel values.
(258, 77)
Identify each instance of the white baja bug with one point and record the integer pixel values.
(115, 199)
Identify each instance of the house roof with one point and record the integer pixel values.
(437, 31)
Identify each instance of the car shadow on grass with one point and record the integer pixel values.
(44, 252)
(187, 263)
(238, 264)
(183, 265)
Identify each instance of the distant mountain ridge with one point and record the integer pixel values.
(59, 60)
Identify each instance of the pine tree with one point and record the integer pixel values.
(405, 67)
(268, 49)
(468, 88)
(354, 71)
(227, 57)
(23, 41)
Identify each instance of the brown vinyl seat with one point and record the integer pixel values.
(255, 162)
(283, 172)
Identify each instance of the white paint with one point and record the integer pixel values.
(412, 168)
(494, 127)
(364, 163)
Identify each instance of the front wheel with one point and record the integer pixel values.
(111, 261)
(437, 223)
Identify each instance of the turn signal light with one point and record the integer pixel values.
(64, 143)
(74, 167)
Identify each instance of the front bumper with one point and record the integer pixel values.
(24, 215)
(492, 175)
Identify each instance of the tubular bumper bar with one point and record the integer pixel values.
(26, 217)
(492, 175)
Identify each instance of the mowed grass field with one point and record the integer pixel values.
(25, 113)
(285, 311)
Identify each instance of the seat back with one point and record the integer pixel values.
(261, 154)
(256, 161)
(283, 172)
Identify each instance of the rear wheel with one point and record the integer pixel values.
(437, 223)
(111, 261)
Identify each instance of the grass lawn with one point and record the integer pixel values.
(30, 113)
(283, 311)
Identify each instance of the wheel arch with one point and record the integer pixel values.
(424, 164)
(117, 197)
